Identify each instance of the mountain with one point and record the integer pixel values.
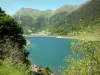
(36, 20)
(66, 8)
(87, 12)
(27, 11)
(32, 19)
(60, 13)
(83, 15)
(64, 20)
(33, 12)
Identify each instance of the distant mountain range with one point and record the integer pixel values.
(61, 21)
(35, 13)
(36, 20)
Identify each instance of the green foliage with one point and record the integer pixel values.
(43, 71)
(85, 13)
(87, 61)
(46, 72)
(54, 20)
(11, 50)
(32, 19)
(12, 60)
(7, 67)
(10, 29)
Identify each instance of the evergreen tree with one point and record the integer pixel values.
(10, 29)
(0, 9)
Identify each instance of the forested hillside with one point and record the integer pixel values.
(37, 20)
(63, 21)
(79, 18)
(32, 19)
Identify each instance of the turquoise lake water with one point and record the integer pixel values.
(49, 51)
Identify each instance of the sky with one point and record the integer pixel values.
(12, 6)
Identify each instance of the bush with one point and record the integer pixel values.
(87, 61)
(7, 67)
(8, 49)
(11, 63)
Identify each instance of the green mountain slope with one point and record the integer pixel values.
(87, 12)
(60, 13)
(63, 21)
(32, 20)
(80, 18)
(66, 8)
(37, 20)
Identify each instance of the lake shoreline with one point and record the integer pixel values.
(86, 38)
(59, 37)
(66, 37)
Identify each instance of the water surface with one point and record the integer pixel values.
(49, 51)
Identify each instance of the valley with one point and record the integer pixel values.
(68, 20)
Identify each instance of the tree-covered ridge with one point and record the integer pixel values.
(32, 19)
(37, 20)
(66, 8)
(87, 12)
(78, 19)
(63, 20)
